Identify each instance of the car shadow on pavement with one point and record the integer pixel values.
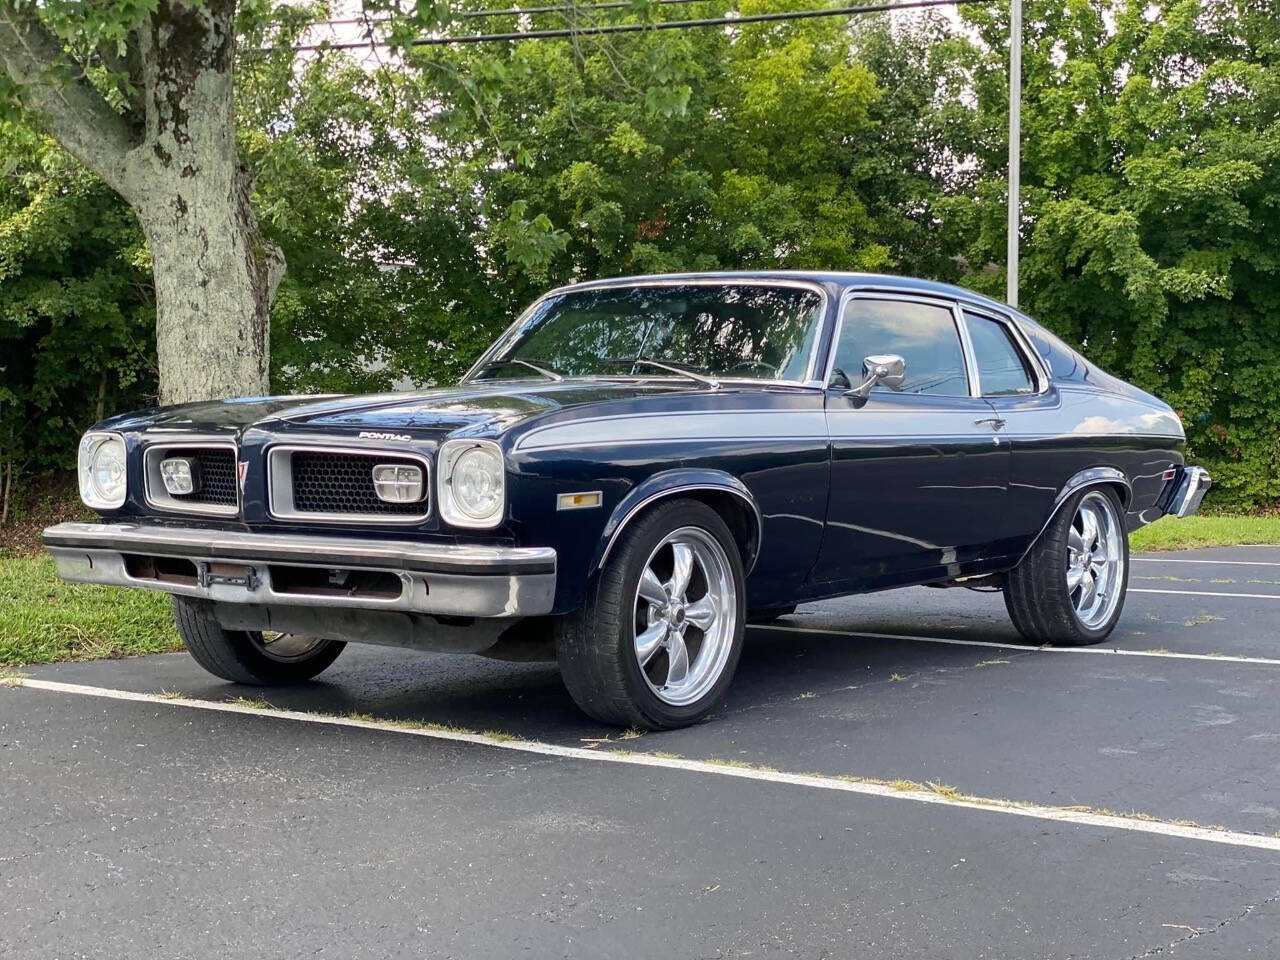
(528, 700)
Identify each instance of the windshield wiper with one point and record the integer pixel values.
(517, 362)
(711, 382)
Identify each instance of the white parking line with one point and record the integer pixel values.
(1110, 651)
(1134, 823)
(1208, 593)
(1233, 563)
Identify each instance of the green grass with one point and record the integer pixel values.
(43, 619)
(1211, 530)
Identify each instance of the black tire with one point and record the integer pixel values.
(1035, 591)
(238, 655)
(595, 645)
(770, 614)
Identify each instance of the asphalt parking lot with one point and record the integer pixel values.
(960, 795)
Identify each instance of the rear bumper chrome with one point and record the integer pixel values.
(297, 570)
(1192, 485)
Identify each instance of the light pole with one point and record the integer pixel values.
(1015, 146)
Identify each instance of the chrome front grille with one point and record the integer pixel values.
(219, 491)
(336, 484)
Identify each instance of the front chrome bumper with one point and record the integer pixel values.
(264, 569)
(1191, 487)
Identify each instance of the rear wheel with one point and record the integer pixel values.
(658, 639)
(1070, 588)
(250, 656)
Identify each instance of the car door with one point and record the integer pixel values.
(919, 473)
(1019, 390)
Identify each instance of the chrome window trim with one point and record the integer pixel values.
(813, 286)
(1021, 343)
(280, 484)
(966, 347)
(158, 498)
(978, 304)
(929, 299)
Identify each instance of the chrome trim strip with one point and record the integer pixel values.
(680, 281)
(158, 498)
(301, 549)
(749, 563)
(966, 347)
(280, 483)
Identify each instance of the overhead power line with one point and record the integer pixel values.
(511, 11)
(641, 27)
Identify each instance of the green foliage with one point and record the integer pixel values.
(76, 314)
(1151, 173)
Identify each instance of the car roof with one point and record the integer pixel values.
(840, 279)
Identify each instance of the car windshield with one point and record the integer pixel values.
(740, 330)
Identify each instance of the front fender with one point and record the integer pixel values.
(671, 483)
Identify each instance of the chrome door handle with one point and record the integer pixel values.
(996, 422)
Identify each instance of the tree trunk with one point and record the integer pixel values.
(172, 156)
(215, 274)
(215, 279)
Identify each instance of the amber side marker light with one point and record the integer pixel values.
(578, 501)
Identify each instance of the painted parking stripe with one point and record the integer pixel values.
(1208, 593)
(1233, 563)
(1017, 647)
(1135, 823)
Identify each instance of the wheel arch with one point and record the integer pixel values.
(723, 492)
(1097, 476)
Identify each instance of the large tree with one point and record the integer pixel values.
(141, 93)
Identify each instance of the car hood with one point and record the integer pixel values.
(490, 407)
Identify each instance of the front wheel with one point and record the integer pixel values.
(249, 656)
(659, 637)
(1070, 588)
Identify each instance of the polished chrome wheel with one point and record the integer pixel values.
(1095, 560)
(285, 647)
(685, 611)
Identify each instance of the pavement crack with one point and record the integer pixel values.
(1195, 933)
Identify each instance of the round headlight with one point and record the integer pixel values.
(103, 471)
(472, 483)
(477, 482)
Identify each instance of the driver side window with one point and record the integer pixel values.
(923, 334)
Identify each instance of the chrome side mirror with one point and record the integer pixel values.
(888, 369)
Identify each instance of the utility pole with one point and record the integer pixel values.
(1015, 147)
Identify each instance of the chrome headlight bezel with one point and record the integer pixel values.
(454, 508)
(95, 446)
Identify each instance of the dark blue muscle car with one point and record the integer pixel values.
(635, 470)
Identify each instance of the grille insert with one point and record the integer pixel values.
(217, 475)
(219, 492)
(342, 483)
